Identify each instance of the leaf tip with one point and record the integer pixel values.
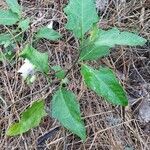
(13, 130)
(125, 103)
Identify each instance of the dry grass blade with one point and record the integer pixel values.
(106, 128)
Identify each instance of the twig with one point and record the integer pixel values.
(41, 140)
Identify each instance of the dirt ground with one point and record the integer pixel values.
(106, 128)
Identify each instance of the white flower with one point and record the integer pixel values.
(50, 25)
(27, 69)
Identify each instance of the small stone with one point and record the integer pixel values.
(144, 111)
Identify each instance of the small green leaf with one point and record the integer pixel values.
(114, 37)
(40, 60)
(48, 34)
(105, 84)
(14, 6)
(30, 118)
(5, 37)
(7, 17)
(59, 72)
(8, 53)
(81, 15)
(66, 109)
(24, 24)
(94, 32)
(2, 57)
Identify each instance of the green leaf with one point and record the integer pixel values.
(66, 109)
(105, 84)
(99, 43)
(59, 72)
(5, 37)
(14, 6)
(81, 15)
(8, 53)
(48, 34)
(114, 37)
(92, 52)
(7, 17)
(40, 60)
(2, 57)
(24, 24)
(30, 118)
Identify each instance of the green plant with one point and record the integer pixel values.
(94, 43)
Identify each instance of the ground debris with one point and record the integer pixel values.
(144, 111)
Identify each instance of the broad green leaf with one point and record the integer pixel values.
(24, 24)
(99, 43)
(7, 17)
(40, 60)
(92, 52)
(59, 72)
(105, 84)
(48, 34)
(30, 118)
(81, 15)
(114, 37)
(14, 6)
(66, 109)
